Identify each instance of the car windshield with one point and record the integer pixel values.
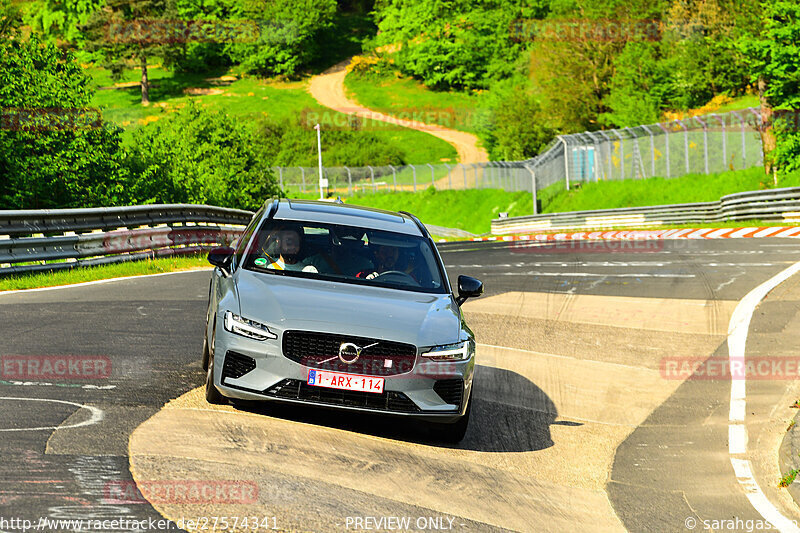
(346, 254)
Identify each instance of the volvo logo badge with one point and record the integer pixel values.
(349, 352)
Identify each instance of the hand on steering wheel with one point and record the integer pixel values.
(397, 272)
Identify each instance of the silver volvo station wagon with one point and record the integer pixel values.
(340, 306)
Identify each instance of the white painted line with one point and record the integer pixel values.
(47, 384)
(100, 281)
(594, 275)
(737, 439)
(737, 409)
(97, 414)
(737, 431)
(741, 468)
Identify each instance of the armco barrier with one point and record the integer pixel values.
(59, 239)
(773, 204)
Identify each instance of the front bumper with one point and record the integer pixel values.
(277, 378)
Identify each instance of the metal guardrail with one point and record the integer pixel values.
(774, 204)
(44, 240)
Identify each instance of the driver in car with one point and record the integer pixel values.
(386, 259)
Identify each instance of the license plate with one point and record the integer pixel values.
(338, 380)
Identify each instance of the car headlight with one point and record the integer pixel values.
(247, 328)
(459, 351)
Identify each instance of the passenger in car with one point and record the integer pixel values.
(287, 242)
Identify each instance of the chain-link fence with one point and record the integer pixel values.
(702, 145)
(510, 176)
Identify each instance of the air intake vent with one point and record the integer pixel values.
(450, 390)
(237, 365)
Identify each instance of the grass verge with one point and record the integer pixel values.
(470, 210)
(407, 98)
(658, 191)
(81, 275)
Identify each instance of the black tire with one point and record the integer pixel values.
(453, 433)
(205, 352)
(213, 395)
(205, 330)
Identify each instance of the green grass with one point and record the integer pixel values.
(248, 98)
(788, 478)
(470, 210)
(658, 191)
(80, 275)
(404, 97)
(741, 102)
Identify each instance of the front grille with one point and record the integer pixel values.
(293, 389)
(450, 390)
(237, 365)
(321, 350)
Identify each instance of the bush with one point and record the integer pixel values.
(512, 122)
(197, 156)
(54, 152)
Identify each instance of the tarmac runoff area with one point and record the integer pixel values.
(562, 381)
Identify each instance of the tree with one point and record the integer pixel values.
(774, 55)
(458, 44)
(198, 156)
(288, 35)
(10, 19)
(130, 30)
(573, 60)
(641, 87)
(63, 19)
(54, 151)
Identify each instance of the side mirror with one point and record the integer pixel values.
(468, 287)
(221, 257)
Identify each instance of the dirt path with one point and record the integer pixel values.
(328, 89)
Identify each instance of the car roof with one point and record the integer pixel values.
(348, 215)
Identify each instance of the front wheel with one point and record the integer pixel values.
(212, 393)
(205, 352)
(453, 433)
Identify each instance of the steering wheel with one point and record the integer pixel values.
(400, 273)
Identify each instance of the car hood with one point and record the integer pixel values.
(315, 305)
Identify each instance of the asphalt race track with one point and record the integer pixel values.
(576, 423)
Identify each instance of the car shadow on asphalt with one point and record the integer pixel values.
(509, 414)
